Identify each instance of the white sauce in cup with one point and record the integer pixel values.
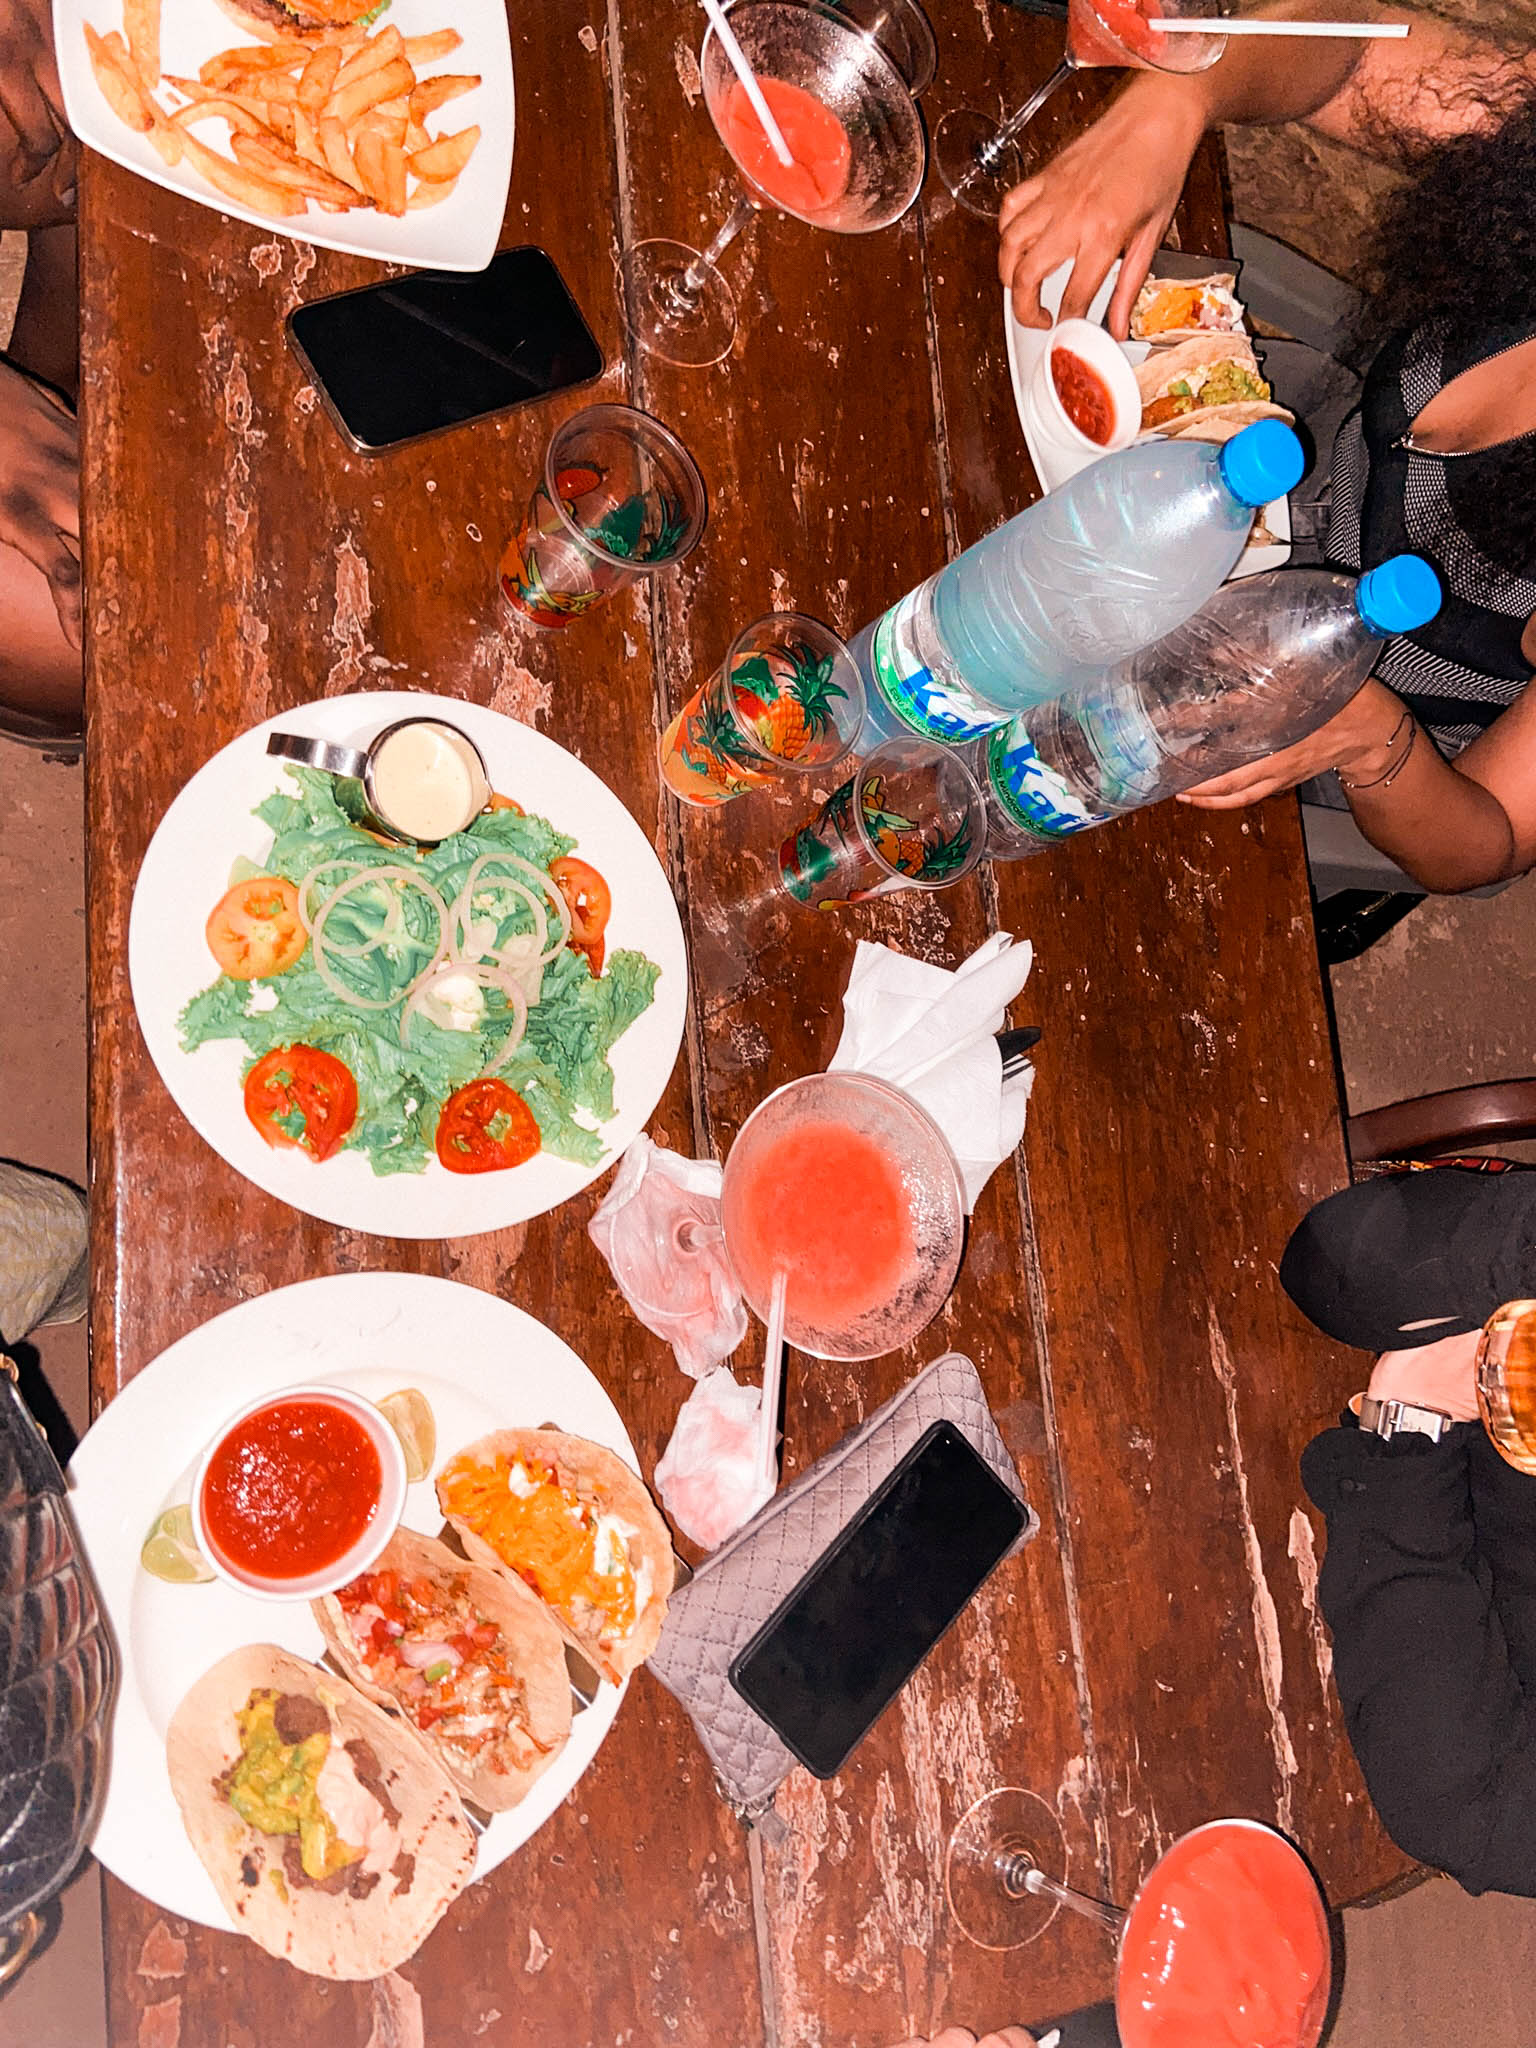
(427, 781)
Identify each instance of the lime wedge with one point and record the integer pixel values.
(169, 1552)
(410, 1416)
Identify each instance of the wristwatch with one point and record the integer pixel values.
(1400, 1418)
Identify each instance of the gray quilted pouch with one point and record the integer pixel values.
(740, 1585)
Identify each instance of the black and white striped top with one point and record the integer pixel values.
(1459, 672)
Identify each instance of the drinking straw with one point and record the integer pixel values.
(773, 1376)
(749, 84)
(1250, 25)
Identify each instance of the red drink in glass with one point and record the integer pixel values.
(816, 139)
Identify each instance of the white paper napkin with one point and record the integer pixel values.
(931, 1031)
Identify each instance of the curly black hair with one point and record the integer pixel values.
(1458, 241)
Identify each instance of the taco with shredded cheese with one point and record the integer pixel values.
(466, 1656)
(574, 1523)
(1205, 390)
(1176, 308)
(334, 1840)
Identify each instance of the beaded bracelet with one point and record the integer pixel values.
(1394, 768)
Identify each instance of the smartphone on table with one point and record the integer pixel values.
(437, 349)
(835, 1653)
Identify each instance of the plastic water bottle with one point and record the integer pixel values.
(1114, 559)
(1263, 663)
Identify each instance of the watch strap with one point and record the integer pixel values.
(1392, 1417)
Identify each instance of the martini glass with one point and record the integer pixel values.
(843, 92)
(980, 161)
(1180, 1934)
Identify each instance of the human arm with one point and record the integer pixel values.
(1451, 825)
(1444, 1735)
(962, 2037)
(39, 156)
(40, 488)
(1113, 191)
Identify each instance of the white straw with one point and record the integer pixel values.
(749, 84)
(773, 1375)
(1250, 25)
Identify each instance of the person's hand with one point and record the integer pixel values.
(40, 488)
(1354, 739)
(37, 171)
(962, 2037)
(1110, 193)
(1439, 1375)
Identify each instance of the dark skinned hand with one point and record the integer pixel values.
(40, 488)
(38, 154)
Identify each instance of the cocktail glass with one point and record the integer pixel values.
(786, 701)
(1506, 1382)
(852, 1293)
(1002, 1885)
(911, 816)
(840, 91)
(979, 159)
(620, 498)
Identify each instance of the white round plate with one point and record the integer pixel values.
(186, 871)
(482, 1364)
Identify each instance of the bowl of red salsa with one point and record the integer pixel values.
(1082, 400)
(298, 1493)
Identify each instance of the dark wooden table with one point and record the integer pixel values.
(1156, 1658)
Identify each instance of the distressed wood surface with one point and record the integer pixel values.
(1155, 1656)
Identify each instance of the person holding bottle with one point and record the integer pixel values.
(1429, 1582)
(1437, 752)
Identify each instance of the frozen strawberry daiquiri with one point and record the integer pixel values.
(816, 139)
(846, 1186)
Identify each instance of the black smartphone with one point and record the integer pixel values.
(825, 1666)
(438, 348)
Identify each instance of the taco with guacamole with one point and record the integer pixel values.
(333, 1838)
(466, 1656)
(1205, 390)
(573, 1522)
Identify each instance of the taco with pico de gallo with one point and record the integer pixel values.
(466, 1656)
(1176, 308)
(572, 1521)
(334, 1840)
(1205, 390)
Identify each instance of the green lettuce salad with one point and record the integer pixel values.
(379, 936)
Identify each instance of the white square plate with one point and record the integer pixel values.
(458, 234)
(1024, 346)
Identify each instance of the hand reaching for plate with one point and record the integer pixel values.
(1110, 193)
(40, 488)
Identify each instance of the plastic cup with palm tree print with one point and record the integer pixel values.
(786, 701)
(911, 817)
(620, 498)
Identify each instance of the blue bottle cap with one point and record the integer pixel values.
(1403, 593)
(1263, 462)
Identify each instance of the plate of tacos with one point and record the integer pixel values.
(325, 1777)
(1195, 367)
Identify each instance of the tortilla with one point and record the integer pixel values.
(595, 1475)
(1166, 367)
(1178, 308)
(503, 1771)
(338, 1934)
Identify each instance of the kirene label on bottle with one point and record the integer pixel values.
(1030, 793)
(932, 709)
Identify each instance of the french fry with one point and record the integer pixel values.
(378, 51)
(275, 88)
(430, 192)
(168, 140)
(337, 152)
(141, 23)
(306, 137)
(214, 106)
(421, 50)
(280, 121)
(349, 102)
(319, 78)
(416, 137)
(390, 127)
(271, 160)
(446, 157)
(245, 187)
(228, 65)
(432, 93)
(368, 156)
(393, 162)
(118, 80)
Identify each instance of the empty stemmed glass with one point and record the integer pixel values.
(978, 158)
(839, 80)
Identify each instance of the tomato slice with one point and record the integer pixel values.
(588, 899)
(298, 1095)
(484, 1127)
(505, 803)
(255, 930)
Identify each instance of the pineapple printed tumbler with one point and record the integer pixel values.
(911, 817)
(786, 701)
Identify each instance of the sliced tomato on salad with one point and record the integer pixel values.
(486, 1126)
(498, 802)
(255, 929)
(298, 1095)
(589, 901)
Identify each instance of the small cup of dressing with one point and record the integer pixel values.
(421, 779)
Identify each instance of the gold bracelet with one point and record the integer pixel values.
(1394, 768)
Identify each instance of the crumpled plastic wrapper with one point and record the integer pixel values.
(659, 1229)
(709, 1478)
